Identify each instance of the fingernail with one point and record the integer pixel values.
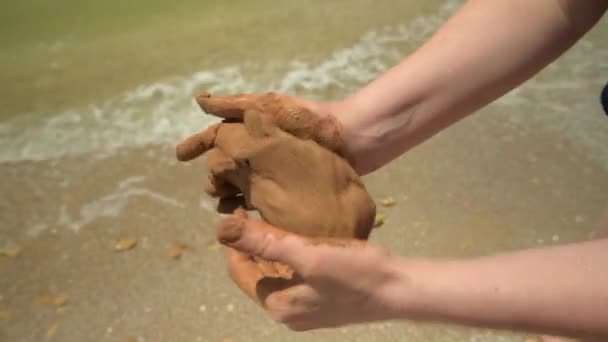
(184, 151)
(230, 231)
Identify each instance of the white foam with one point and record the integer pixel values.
(564, 99)
(207, 204)
(164, 112)
(112, 204)
(37, 229)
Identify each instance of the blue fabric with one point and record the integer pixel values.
(604, 99)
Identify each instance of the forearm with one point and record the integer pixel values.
(486, 49)
(561, 290)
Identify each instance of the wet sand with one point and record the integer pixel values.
(530, 170)
(482, 187)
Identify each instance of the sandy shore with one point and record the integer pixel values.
(531, 171)
(482, 187)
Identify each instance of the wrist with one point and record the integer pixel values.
(357, 140)
(420, 289)
(399, 298)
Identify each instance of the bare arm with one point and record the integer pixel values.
(486, 49)
(562, 290)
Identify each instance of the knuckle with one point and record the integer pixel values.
(264, 245)
(272, 95)
(281, 309)
(311, 267)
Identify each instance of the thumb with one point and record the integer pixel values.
(257, 238)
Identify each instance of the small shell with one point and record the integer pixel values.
(388, 201)
(45, 299)
(379, 220)
(61, 299)
(177, 250)
(11, 251)
(52, 330)
(58, 299)
(124, 245)
(214, 247)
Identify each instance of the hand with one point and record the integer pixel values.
(301, 118)
(327, 123)
(257, 165)
(311, 283)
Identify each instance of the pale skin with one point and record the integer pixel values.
(486, 49)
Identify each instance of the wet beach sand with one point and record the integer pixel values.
(497, 189)
(529, 170)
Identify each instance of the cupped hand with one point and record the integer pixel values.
(311, 283)
(292, 181)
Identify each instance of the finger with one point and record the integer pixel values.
(241, 213)
(297, 298)
(273, 292)
(258, 125)
(197, 144)
(305, 124)
(306, 120)
(220, 164)
(289, 301)
(256, 279)
(257, 238)
(312, 323)
(285, 271)
(244, 272)
(217, 187)
(230, 106)
(267, 268)
(276, 269)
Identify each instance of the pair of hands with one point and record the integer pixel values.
(294, 280)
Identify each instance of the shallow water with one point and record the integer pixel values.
(100, 94)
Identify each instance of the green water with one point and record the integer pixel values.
(65, 53)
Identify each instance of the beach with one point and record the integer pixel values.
(87, 158)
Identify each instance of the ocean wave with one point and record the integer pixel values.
(109, 205)
(164, 111)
